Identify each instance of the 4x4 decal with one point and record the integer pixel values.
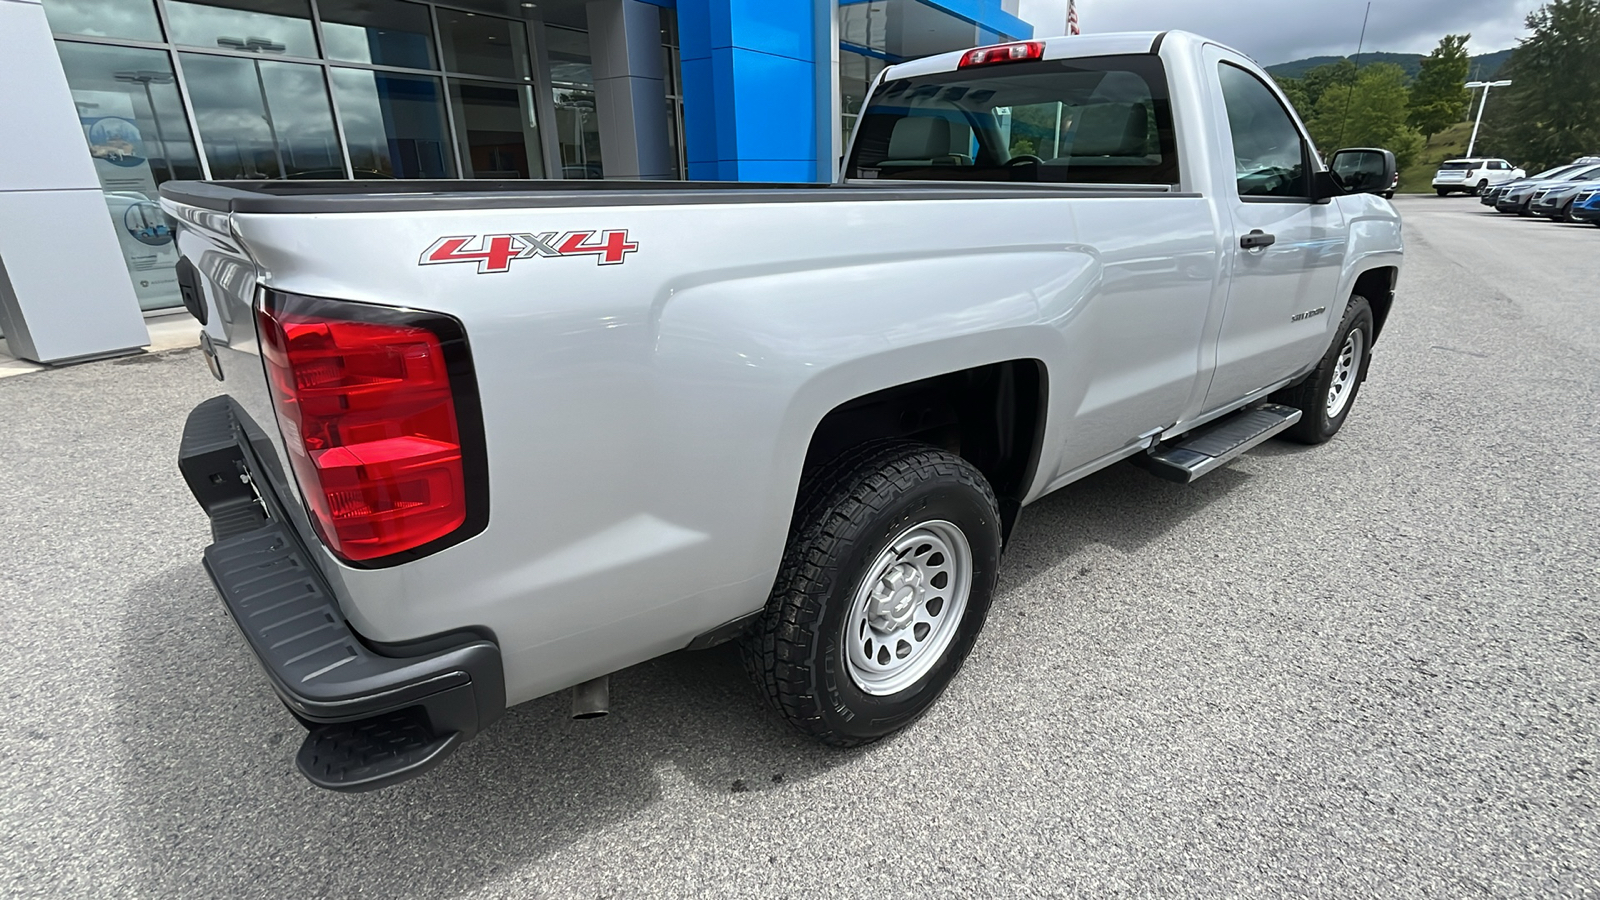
(494, 252)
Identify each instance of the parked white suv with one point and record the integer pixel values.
(1473, 175)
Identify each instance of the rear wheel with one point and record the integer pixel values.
(1483, 184)
(884, 586)
(1443, 192)
(1326, 396)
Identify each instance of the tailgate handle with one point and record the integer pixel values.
(1257, 239)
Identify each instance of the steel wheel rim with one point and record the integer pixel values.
(908, 607)
(1344, 373)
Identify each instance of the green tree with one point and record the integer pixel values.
(1551, 112)
(1438, 98)
(1371, 112)
(1305, 91)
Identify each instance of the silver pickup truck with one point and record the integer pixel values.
(483, 441)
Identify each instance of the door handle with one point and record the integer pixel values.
(1257, 239)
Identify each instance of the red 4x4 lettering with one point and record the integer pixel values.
(495, 256)
(612, 249)
(494, 252)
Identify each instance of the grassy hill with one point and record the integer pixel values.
(1450, 143)
(1484, 66)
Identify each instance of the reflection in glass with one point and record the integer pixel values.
(476, 44)
(393, 124)
(262, 119)
(498, 133)
(236, 24)
(569, 56)
(578, 133)
(140, 84)
(135, 19)
(572, 84)
(138, 136)
(383, 33)
(856, 73)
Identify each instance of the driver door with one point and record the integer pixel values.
(1285, 252)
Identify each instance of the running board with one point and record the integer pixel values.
(1198, 452)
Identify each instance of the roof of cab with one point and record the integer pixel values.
(1062, 47)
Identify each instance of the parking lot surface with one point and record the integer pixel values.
(1368, 668)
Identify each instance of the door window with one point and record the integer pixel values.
(1269, 156)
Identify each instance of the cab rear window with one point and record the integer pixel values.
(1098, 120)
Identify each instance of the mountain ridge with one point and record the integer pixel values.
(1484, 66)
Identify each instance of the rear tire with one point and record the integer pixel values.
(1443, 192)
(1328, 393)
(866, 625)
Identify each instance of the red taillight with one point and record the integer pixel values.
(999, 53)
(368, 412)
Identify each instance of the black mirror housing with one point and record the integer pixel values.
(1364, 170)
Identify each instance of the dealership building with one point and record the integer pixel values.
(103, 100)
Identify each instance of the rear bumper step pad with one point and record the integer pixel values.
(374, 719)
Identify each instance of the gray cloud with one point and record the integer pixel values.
(1274, 31)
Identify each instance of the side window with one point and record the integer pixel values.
(1269, 158)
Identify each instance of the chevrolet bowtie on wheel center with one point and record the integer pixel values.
(483, 441)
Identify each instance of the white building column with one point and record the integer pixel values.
(629, 88)
(64, 290)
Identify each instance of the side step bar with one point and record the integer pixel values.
(1194, 454)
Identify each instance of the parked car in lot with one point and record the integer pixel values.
(1586, 207)
(483, 441)
(1555, 201)
(1469, 176)
(1518, 198)
(1494, 196)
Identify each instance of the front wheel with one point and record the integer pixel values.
(884, 586)
(1325, 397)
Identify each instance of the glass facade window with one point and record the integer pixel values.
(394, 125)
(856, 74)
(476, 44)
(129, 19)
(278, 27)
(377, 32)
(672, 69)
(577, 122)
(262, 119)
(133, 121)
(496, 126)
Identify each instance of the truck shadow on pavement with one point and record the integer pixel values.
(214, 806)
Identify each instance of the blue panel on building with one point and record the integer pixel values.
(749, 91)
(772, 102)
(780, 27)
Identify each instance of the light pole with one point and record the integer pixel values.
(261, 45)
(147, 78)
(1486, 85)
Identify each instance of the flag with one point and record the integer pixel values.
(1072, 17)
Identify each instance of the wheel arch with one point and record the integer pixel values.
(1377, 286)
(991, 415)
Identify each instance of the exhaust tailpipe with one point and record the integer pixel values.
(592, 699)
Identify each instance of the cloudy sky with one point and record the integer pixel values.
(1274, 31)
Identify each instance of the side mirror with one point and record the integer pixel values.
(1363, 171)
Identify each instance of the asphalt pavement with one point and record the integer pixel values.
(1370, 668)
